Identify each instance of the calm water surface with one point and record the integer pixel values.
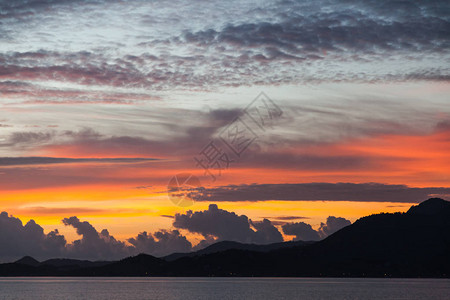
(50, 288)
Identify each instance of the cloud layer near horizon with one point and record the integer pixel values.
(304, 232)
(221, 225)
(319, 191)
(214, 225)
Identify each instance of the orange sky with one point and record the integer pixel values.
(114, 200)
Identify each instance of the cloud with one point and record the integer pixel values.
(58, 211)
(289, 218)
(38, 93)
(332, 225)
(364, 192)
(224, 225)
(180, 138)
(94, 244)
(266, 232)
(19, 7)
(44, 62)
(23, 161)
(30, 137)
(258, 43)
(167, 216)
(302, 231)
(296, 35)
(443, 126)
(214, 224)
(330, 162)
(160, 243)
(282, 220)
(18, 240)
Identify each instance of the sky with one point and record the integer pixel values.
(288, 120)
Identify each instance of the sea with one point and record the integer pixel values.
(112, 288)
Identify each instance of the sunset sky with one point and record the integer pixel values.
(103, 102)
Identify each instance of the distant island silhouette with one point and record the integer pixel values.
(411, 244)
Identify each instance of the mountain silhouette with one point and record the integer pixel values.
(228, 245)
(415, 243)
(411, 244)
(140, 265)
(433, 206)
(27, 261)
(72, 263)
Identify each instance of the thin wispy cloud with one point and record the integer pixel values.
(360, 192)
(23, 161)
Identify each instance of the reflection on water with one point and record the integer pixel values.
(50, 288)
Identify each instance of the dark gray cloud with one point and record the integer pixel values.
(58, 211)
(332, 225)
(302, 231)
(428, 75)
(443, 126)
(160, 243)
(344, 30)
(35, 5)
(364, 192)
(22, 161)
(102, 245)
(26, 138)
(282, 220)
(214, 224)
(18, 240)
(167, 216)
(225, 225)
(274, 159)
(94, 244)
(266, 232)
(289, 218)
